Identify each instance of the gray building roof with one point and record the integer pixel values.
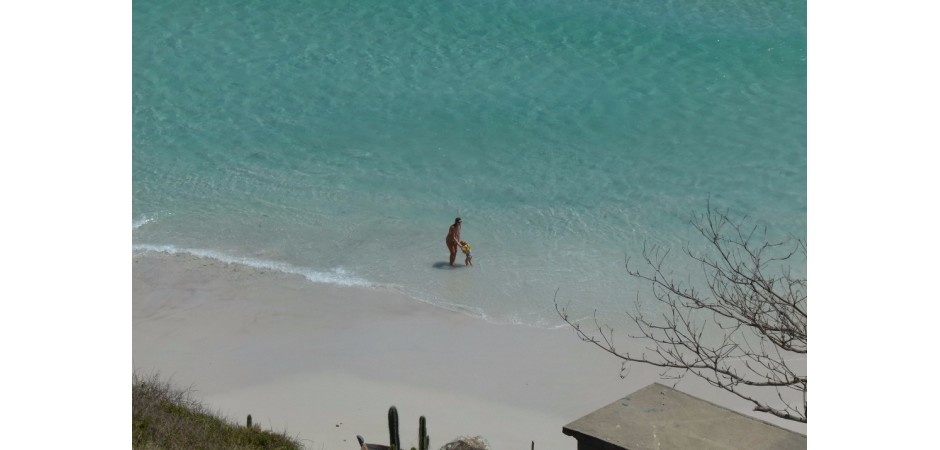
(659, 417)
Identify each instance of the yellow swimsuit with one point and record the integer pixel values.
(466, 249)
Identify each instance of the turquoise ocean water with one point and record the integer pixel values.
(340, 139)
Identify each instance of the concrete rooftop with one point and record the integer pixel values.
(659, 417)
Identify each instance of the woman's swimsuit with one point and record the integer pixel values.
(449, 240)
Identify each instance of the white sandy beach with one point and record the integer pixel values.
(324, 362)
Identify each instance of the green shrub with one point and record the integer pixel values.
(168, 418)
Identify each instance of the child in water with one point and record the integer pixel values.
(466, 251)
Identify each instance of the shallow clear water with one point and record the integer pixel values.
(340, 139)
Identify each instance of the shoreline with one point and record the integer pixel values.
(325, 362)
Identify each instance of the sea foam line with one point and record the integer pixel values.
(337, 276)
(142, 221)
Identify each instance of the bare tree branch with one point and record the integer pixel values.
(755, 322)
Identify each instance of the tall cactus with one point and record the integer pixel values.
(394, 443)
(423, 440)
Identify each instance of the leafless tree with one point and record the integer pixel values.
(745, 332)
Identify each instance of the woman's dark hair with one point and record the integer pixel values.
(457, 220)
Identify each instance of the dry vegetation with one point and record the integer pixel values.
(168, 418)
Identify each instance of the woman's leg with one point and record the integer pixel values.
(453, 252)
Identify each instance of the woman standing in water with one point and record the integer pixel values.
(453, 240)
